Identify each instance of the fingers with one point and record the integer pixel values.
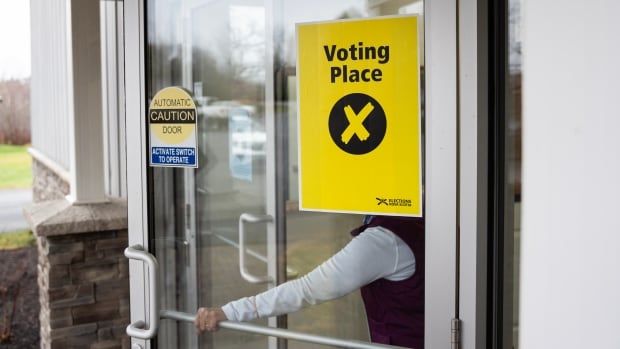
(198, 320)
(210, 323)
(207, 319)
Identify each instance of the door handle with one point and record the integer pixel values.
(280, 333)
(245, 274)
(138, 329)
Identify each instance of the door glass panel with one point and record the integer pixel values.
(215, 50)
(218, 51)
(314, 237)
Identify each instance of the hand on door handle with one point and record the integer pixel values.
(207, 319)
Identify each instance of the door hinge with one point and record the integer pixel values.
(455, 333)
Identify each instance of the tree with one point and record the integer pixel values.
(15, 111)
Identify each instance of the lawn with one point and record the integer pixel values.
(19, 239)
(15, 167)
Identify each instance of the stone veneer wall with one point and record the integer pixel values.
(82, 273)
(46, 184)
(84, 290)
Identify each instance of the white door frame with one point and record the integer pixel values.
(135, 111)
(473, 173)
(442, 146)
(440, 170)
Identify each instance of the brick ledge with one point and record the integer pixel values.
(60, 217)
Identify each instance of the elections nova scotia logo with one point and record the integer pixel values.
(393, 202)
(172, 129)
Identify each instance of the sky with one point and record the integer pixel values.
(14, 39)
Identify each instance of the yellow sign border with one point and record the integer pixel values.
(420, 211)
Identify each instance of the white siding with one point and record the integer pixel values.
(570, 284)
(51, 87)
(113, 97)
(50, 80)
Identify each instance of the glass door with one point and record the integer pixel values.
(231, 228)
(217, 51)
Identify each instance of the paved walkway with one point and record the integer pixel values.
(12, 202)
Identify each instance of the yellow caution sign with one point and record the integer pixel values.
(359, 116)
(172, 129)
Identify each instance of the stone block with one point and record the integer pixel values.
(103, 235)
(126, 343)
(123, 267)
(107, 344)
(44, 332)
(59, 246)
(76, 342)
(100, 311)
(72, 295)
(58, 318)
(92, 255)
(105, 334)
(112, 323)
(42, 245)
(43, 276)
(45, 312)
(90, 246)
(120, 331)
(62, 218)
(124, 307)
(46, 184)
(66, 257)
(114, 289)
(58, 276)
(116, 327)
(62, 322)
(98, 270)
(118, 243)
(106, 260)
(43, 295)
(73, 331)
(113, 252)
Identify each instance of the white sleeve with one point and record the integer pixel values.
(372, 255)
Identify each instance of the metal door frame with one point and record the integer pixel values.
(440, 100)
(446, 143)
(137, 209)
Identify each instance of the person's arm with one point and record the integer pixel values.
(374, 254)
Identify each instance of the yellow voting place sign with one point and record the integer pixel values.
(359, 116)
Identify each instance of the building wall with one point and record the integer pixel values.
(50, 80)
(81, 230)
(83, 290)
(571, 175)
(47, 184)
(51, 94)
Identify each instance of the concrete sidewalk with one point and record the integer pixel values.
(11, 203)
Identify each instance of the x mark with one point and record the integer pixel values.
(356, 126)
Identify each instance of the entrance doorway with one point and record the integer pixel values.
(231, 228)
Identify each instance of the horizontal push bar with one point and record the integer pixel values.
(279, 333)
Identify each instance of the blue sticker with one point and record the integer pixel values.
(173, 156)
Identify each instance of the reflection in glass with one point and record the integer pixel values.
(314, 237)
(514, 129)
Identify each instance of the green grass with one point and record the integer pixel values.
(18, 239)
(15, 167)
